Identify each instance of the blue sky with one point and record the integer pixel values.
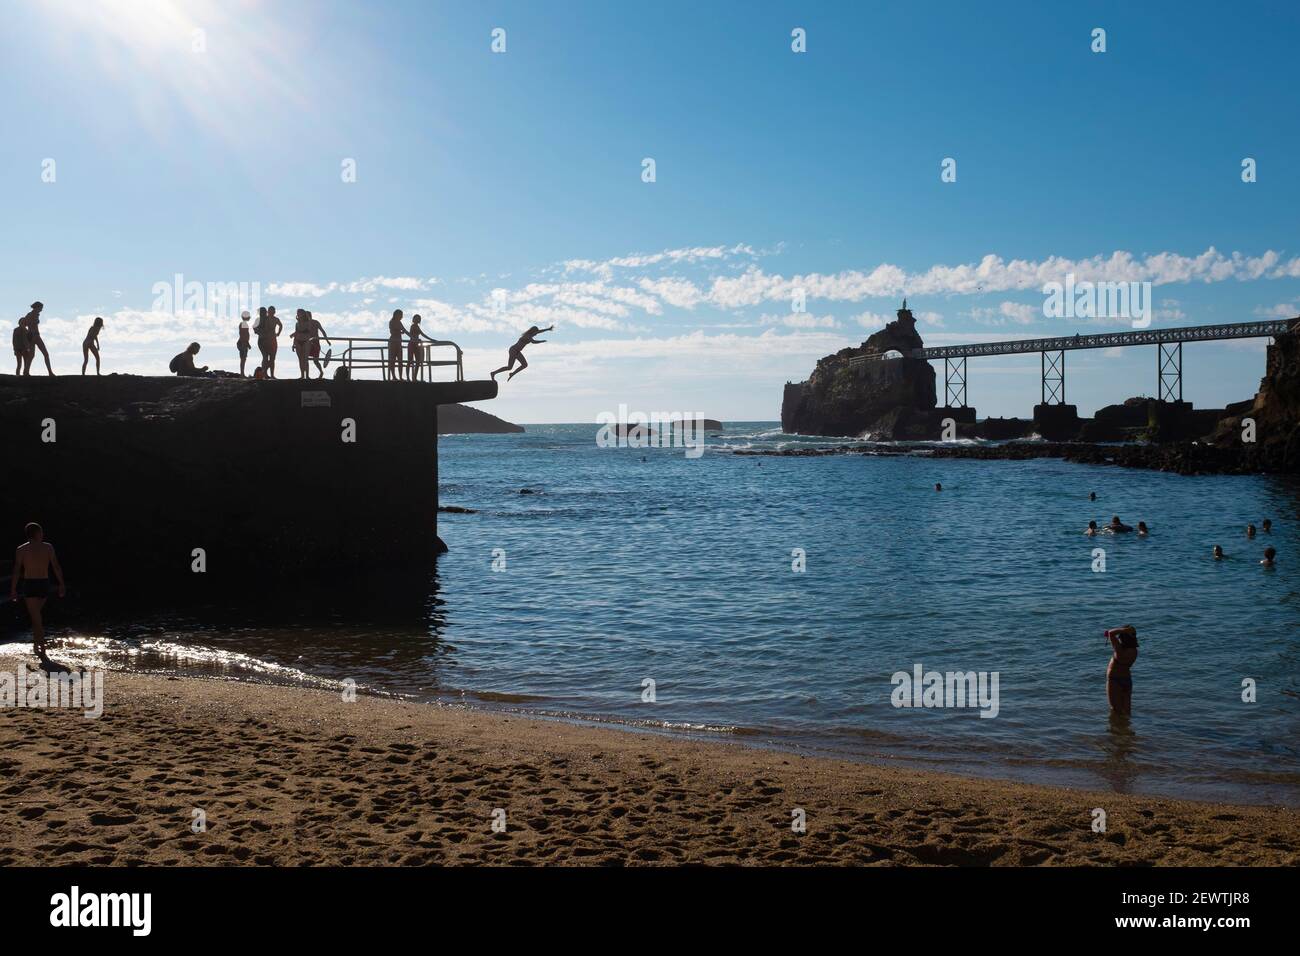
(522, 172)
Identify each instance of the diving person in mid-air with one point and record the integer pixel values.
(516, 353)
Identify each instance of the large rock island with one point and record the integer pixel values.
(861, 392)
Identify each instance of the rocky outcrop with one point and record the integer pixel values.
(153, 486)
(856, 392)
(463, 420)
(1275, 411)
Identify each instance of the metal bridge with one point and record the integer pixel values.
(1168, 342)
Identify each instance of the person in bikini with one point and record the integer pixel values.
(21, 353)
(516, 353)
(1119, 677)
(33, 562)
(90, 345)
(243, 344)
(271, 330)
(395, 332)
(301, 341)
(33, 322)
(313, 344)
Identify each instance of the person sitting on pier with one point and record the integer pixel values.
(516, 353)
(1116, 526)
(1092, 529)
(90, 345)
(1119, 677)
(313, 345)
(1218, 553)
(183, 364)
(33, 322)
(1270, 554)
(395, 332)
(243, 344)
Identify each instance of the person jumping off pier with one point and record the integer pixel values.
(33, 562)
(516, 353)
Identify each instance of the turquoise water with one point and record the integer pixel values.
(619, 570)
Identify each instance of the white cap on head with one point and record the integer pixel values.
(244, 314)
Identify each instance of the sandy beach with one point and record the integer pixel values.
(286, 776)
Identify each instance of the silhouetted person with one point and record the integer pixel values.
(1092, 496)
(313, 344)
(259, 329)
(33, 562)
(395, 332)
(244, 343)
(1266, 525)
(21, 354)
(183, 364)
(90, 345)
(414, 351)
(516, 353)
(1119, 677)
(301, 338)
(271, 330)
(33, 322)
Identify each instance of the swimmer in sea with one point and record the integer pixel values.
(1269, 555)
(1218, 553)
(1143, 531)
(1119, 677)
(1250, 531)
(1092, 496)
(1266, 526)
(1116, 526)
(938, 487)
(1091, 529)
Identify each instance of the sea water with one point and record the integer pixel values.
(775, 601)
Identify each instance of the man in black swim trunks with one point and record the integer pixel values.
(33, 562)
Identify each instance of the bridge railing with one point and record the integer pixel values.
(365, 353)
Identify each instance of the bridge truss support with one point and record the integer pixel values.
(1053, 389)
(1169, 371)
(954, 382)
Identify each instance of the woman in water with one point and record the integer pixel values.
(90, 345)
(1119, 679)
(1143, 530)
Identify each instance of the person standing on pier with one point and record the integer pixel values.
(33, 562)
(271, 330)
(395, 332)
(90, 345)
(313, 344)
(301, 339)
(32, 320)
(243, 344)
(22, 352)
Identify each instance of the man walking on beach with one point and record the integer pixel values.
(516, 353)
(33, 562)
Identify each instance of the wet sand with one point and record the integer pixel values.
(288, 776)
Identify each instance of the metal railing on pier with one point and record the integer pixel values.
(359, 353)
